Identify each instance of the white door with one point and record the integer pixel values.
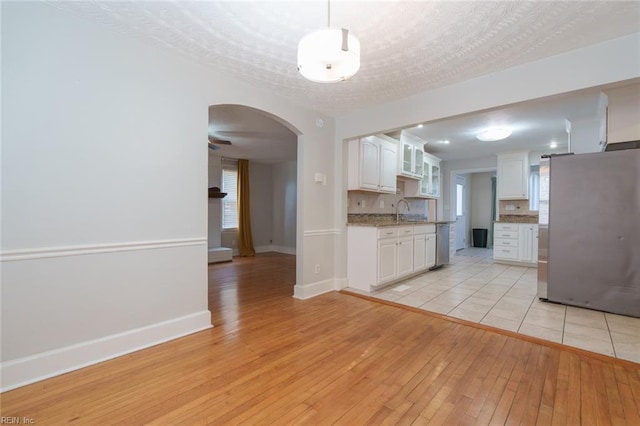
(461, 219)
(369, 164)
(387, 259)
(405, 256)
(419, 252)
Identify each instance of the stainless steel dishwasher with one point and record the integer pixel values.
(442, 245)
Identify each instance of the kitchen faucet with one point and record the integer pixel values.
(398, 208)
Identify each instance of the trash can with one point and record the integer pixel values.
(480, 237)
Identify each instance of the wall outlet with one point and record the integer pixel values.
(317, 268)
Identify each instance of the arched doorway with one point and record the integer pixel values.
(271, 146)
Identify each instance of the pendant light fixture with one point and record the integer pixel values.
(328, 55)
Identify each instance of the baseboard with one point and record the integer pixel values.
(278, 249)
(314, 289)
(33, 368)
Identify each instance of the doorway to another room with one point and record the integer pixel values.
(461, 213)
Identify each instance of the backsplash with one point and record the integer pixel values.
(520, 208)
(363, 202)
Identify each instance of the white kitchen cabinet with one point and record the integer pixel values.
(528, 247)
(516, 242)
(424, 247)
(419, 252)
(387, 260)
(372, 164)
(433, 163)
(513, 176)
(379, 256)
(429, 185)
(411, 156)
(405, 256)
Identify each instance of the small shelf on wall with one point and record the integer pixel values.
(215, 193)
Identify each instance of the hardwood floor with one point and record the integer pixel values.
(333, 359)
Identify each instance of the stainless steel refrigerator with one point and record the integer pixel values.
(589, 231)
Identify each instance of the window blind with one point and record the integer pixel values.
(230, 202)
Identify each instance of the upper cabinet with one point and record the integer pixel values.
(429, 185)
(373, 164)
(513, 176)
(411, 158)
(623, 112)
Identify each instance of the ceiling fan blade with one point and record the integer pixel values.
(219, 141)
(213, 147)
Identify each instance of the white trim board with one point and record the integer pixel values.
(62, 251)
(33, 368)
(315, 289)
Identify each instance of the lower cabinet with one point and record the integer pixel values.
(396, 252)
(516, 242)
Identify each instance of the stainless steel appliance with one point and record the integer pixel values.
(442, 245)
(589, 231)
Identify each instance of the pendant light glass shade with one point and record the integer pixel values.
(328, 55)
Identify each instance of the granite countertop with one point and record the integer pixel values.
(380, 220)
(515, 218)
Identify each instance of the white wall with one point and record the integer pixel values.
(104, 175)
(262, 203)
(585, 135)
(284, 195)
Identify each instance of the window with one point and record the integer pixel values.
(230, 202)
(459, 196)
(534, 189)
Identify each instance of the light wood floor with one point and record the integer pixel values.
(334, 359)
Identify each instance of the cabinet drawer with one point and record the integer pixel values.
(506, 234)
(387, 232)
(424, 229)
(505, 242)
(505, 227)
(405, 231)
(506, 253)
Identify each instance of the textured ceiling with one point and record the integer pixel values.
(407, 46)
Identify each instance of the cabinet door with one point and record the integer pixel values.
(513, 176)
(419, 252)
(534, 244)
(431, 250)
(388, 161)
(405, 256)
(418, 161)
(425, 183)
(406, 166)
(524, 243)
(369, 164)
(435, 179)
(387, 258)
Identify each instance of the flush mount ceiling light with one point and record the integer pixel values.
(553, 144)
(494, 134)
(328, 55)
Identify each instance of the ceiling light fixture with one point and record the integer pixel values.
(553, 144)
(494, 134)
(328, 55)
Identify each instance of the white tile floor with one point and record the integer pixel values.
(475, 289)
